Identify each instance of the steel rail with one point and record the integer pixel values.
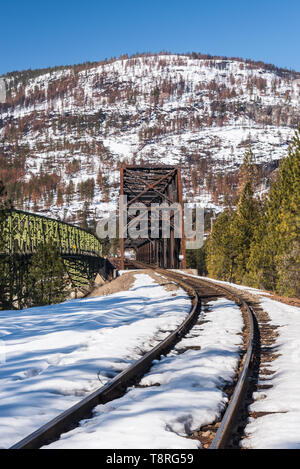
(229, 418)
(69, 419)
(228, 422)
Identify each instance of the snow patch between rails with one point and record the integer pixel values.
(181, 393)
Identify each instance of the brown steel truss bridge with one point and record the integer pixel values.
(149, 223)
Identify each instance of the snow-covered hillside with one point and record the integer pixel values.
(64, 131)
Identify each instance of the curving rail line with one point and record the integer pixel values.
(111, 390)
(229, 420)
(117, 386)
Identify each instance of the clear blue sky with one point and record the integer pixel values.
(37, 34)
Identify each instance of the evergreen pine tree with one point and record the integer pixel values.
(243, 228)
(196, 259)
(229, 243)
(275, 252)
(46, 280)
(220, 248)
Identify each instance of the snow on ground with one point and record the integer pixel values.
(181, 393)
(281, 427)
(53, 356)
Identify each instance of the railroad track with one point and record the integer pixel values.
(200, 291)
(228, 431)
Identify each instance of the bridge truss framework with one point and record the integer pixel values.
(148, 185)
(22, 232)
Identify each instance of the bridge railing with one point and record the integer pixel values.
(22, 232)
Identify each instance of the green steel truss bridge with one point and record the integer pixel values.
(21, 233)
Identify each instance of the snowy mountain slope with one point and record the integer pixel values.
(64, 132)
